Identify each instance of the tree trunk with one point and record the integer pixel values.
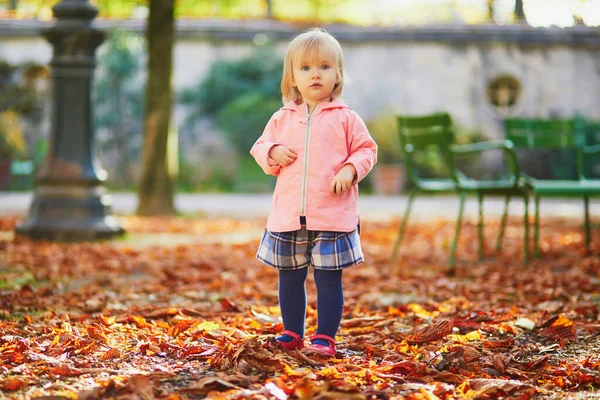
(519, 12)
(269, 8)
(155, 192)
(12, 4)
(122, 139)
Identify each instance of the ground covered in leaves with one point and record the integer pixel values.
(137, 318)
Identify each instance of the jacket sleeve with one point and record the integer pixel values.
(362, 147)
(260, 149)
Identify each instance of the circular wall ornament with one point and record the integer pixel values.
(504, 93)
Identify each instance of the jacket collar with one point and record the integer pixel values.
(326, 105)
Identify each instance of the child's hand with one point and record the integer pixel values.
(343, 180)
(282, 155)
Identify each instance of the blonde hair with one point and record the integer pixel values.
(305, 45)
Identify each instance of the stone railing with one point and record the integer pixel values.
(219, 29)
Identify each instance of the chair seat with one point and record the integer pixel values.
(574, 188)
(436, 185)
(501, 185)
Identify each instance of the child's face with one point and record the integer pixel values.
(316, 76)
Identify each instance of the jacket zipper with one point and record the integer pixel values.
(305, 167)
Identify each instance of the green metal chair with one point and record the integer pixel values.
(591, 164)
(567, 134)
(21, 174)
(417, 134)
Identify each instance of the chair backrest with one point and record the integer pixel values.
(591, 163)
(593, 132)
(545, 134)
(419, 133)
(426, 130)
(553, 146)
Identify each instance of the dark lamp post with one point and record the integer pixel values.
(70, 203)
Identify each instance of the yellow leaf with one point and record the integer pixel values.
(473, 335)
(207, 326)
(420, 312)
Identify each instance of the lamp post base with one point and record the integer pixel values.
(71, 215)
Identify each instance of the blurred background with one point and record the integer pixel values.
(480, 60)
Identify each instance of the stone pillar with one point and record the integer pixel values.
(70, 203)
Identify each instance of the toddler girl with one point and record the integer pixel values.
(319, 149)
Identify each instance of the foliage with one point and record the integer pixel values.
(181, 309)
(222, 8)
(118, 94)
(243, 119)
(18, 98)
(251, 178)
(215, 180)
(11, 138)
(119, 102)
(119, 9)
(384, 130)
(241, 95)
(15, 92)
(228, 79)
(359, 12)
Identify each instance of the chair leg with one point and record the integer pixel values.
(526, 233)
(536, 228)
(480, 228)
(586, 204)
(403, 224)
(502, 224)
(457, 229)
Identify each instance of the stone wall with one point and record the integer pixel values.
(405, 70)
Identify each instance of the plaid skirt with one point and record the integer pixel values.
(321, 249)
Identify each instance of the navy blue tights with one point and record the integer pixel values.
(292, 300)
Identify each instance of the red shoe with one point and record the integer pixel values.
(296, 343)
(320, 349)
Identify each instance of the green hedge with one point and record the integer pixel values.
(241, 95)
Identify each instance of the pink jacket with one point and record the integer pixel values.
(332, 136)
